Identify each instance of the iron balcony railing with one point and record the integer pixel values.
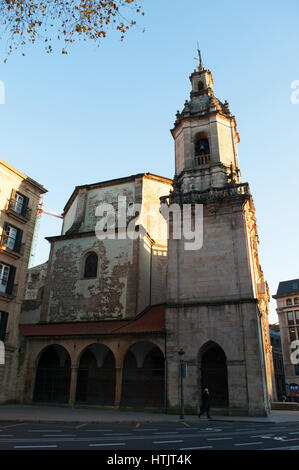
(19, 208)
(12, 243)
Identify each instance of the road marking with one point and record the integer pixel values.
(160, 433)
(166, 442)
(190, 448)
(119, 434)
(146, 430)
(297, 432)
(186, 424)
(97, 430)
(289, 440)
(114, 444)
(31, 447)
(249, 444)
(187, 429)
(81, 425)
(59, 435)
(219, 438)
(284, 448)
(44, 430)
(13, 425)
(212, 429)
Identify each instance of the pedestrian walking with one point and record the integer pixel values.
(205, 403)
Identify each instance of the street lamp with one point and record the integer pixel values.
(181, 354)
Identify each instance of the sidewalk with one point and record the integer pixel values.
(56, 414)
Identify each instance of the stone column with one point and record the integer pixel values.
(29, 385)
(118, 385)
(73, 385)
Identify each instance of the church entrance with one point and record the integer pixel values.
(143, 376)
(214, 374)
(52, 382)
(96, 376)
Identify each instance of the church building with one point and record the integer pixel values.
(108, 319)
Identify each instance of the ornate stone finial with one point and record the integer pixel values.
(226, 107)
(200, 64)
(176, 184)
(231, 175)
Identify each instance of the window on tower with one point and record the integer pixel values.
(202, 149)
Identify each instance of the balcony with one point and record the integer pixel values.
(10, 295)
(202, 159)
(236, 191)
(11, 246)
(18, 211)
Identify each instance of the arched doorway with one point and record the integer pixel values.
(96, 376)
(52, 382)
(143, 376)
(213, 374)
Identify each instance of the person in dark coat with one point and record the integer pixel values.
(205, 403)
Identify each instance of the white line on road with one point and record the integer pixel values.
(138, 430)
(166, 442)
(160, 433)
(114, 444)
(249, 444)
(44, 430)
(190, 448)
(219, 439)
(59, 435)
(31, 447)
(119, 434)
(97, 430)
(297, 432)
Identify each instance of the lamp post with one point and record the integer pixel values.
(181, 354)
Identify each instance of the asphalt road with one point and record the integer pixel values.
(180, 436)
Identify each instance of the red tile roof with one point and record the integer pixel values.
(151, 321)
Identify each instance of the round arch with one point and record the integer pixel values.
(143, 376)
(96, 375)
(212, 373)
(53, 373)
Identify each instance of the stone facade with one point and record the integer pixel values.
(287, 300)
(19, 199)
(217, 297)
(148, 297)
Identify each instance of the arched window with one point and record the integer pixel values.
(202, 149)
(296, 300)
(200, 86)
(91, 266)
(289, 301)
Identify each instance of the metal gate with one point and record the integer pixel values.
(52, 385)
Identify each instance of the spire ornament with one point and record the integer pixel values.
(199, 58)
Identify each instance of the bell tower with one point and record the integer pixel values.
(206, 137)
(217, 298)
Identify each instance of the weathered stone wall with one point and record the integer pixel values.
(220, 269)
(73, 298)
(232, 326)
(34, 292)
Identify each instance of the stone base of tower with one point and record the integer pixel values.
(223, 351)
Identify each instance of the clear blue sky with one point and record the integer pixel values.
(102, 113)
